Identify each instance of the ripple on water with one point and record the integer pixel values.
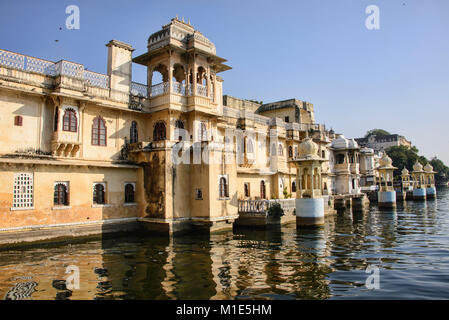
(410, 246)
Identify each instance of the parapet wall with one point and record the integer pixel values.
(240, 104)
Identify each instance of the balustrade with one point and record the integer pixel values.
(159, 89)
(201, 90)
(138, 89)
(262, 206)
(179, 87)
(76, 76)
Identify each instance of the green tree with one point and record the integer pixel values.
(404, 157)
(442, 170)
(377, 132)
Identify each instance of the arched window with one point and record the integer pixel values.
(159, 132)
(69, 121)
(179, 125)
(129, 193)
(60, 197)
(262, 190)
(281, 150)
(290, 152)
(294, 186)
(18, 121)
(323, 154)
(246, 187)
(99, 194)
(98, 132)
(202, 132)
(223, 188)
(134, 136)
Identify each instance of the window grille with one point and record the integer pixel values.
(23, 190)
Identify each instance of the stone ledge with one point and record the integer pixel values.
(64, 232)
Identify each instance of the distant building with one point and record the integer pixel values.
(380, 143)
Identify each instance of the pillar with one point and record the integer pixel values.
(309, 211)
(386, 195)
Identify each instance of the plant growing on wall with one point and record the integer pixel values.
(275, 210)
(286, 194)
(124, 152)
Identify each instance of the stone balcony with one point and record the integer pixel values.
(182, 97)
(65, 144)
(342, 168)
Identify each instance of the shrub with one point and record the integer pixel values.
(275, 210)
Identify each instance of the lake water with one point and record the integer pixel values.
(410, 246)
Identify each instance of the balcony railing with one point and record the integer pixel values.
(253, 206)
(261, 206)
(201, 90)
(159, 89)
(179, 87)
(74, 76)
(138, 89)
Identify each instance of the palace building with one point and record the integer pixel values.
(84, 153)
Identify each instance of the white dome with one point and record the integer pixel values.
(385, 161)
(428, 167)
(417, 166)
(352, 143)
(307, 148)
(340, 143)
(404, 171)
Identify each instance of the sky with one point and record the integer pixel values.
(395, 78)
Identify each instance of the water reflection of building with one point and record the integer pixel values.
(47, 268)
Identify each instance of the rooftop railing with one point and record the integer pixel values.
(139, 89)
(52, 69)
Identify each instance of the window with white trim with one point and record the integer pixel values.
(23, 190)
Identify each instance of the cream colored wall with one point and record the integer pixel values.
(281, 113)
(306, 116)
(81, 208)
(112, 148)
(34, 132)
(200, 179)
(118, 124)
(254, 181)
